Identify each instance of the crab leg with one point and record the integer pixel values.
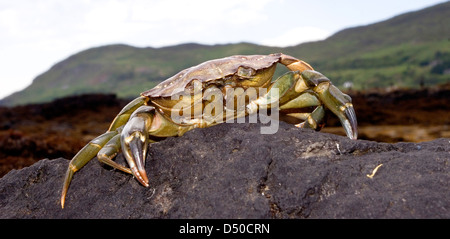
(294, 64)
(308, 88)
(338, 102)
(331, 97)
(126, 112)
(83, 157)
(93, 147)
(314, 119)
(280, 89)
(334, 100)
(109, 151)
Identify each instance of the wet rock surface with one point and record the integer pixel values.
(232, 171)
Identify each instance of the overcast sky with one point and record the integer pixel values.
(36, 34)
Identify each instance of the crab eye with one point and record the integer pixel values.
(245, 72)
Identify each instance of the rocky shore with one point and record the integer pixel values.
(232, 171)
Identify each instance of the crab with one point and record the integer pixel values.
(194, 98)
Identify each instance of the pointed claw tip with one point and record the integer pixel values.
(68, 178)
(63, 198)
(141, 176)
(351, 124)
(144, 178)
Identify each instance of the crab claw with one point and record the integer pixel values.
(341, 105)
(348, 120)
(134, 150)
(134, 140)
(333, 99)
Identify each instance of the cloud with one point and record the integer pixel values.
(296, 36)
(202, 21)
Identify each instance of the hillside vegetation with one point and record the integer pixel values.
(407, 51)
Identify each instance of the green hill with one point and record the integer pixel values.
(404, 51)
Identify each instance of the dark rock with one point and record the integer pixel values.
(232, 171)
